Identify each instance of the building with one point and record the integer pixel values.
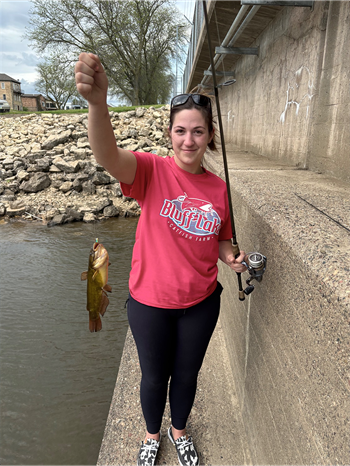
(50, 104)
(34, 102)
(11, 91)
(37, 103)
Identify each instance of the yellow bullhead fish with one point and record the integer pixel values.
(97, 278)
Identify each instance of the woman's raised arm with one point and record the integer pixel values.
(92, 84)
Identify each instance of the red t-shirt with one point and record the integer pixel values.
(183, 218)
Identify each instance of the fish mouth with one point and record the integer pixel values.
(94, 250)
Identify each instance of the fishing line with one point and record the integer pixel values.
(95, 234)
(236, 250)
(324, 213)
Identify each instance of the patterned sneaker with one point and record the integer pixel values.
(186, 451)
(148, 452)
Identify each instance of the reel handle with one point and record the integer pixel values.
(236, 253)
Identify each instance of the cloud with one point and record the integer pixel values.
(14, 14)
(19, 64)
(28, 87)
(17, 59)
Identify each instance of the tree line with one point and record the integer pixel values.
(136, 41)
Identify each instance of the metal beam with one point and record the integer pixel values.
(237, 50)
(244, 24)
(218, 59)
(304, 3)
(219, 73)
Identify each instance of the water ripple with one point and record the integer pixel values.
(57, 379)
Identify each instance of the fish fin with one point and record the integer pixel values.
(84, 276)
(104, 304)
(107, 288)
(95, 325)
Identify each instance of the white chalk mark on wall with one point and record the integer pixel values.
(300, 89)
(230, 117)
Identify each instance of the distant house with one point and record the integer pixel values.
(10, 90)
(34, 102)
(50, 104)
(38, 102)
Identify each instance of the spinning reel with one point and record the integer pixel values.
(256, 265)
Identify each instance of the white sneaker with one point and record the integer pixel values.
(148, 452)
(186, 451)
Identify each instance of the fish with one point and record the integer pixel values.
(193, 204)
(97, 287)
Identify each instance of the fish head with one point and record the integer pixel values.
(98, 256)
(98, 264)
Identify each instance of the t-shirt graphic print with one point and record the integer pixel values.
(193, 218)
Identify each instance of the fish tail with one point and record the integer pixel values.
(95, 325)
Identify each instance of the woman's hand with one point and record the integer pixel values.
(91, 79)
(227, 256)
(236, 264)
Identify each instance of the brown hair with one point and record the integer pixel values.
(205, 111)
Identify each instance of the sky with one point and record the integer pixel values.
(17, 59)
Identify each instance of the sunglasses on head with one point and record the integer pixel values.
(198, 99)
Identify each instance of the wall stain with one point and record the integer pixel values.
(299, 90)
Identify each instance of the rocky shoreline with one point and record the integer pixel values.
(48, 172)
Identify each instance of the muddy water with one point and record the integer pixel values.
(57, 378)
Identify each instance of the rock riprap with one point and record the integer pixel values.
(48, 171)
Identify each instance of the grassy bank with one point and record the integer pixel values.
(84, 110)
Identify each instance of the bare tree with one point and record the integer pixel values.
(135, 40)
(56, 80)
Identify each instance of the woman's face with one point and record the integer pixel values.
(190, 138)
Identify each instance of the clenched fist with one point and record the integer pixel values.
(91, 79)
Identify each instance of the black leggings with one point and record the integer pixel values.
(171, 343)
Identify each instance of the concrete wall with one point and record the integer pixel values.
(288, 342)
(292, 102)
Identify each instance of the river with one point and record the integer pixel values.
(57, 378)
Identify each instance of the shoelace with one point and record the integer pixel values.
(184, 443)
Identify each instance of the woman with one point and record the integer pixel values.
(183, 229)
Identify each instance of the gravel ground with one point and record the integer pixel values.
(215, 422)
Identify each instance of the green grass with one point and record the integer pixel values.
(85, 110)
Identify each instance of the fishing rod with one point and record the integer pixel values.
(255, 262)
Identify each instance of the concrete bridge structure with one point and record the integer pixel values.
(274, 388)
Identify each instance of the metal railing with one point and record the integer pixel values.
(198, 22)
